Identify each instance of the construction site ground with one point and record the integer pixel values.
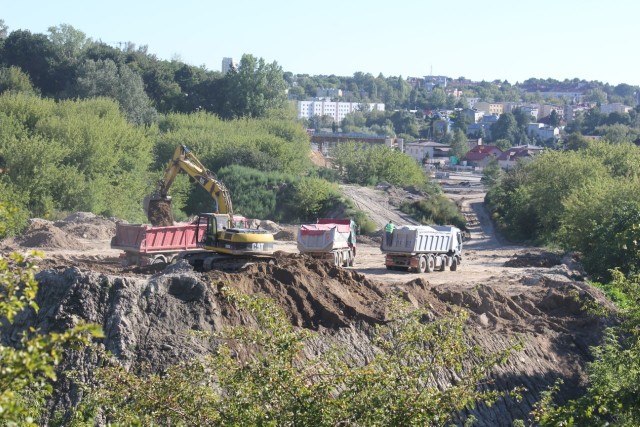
(513, 293)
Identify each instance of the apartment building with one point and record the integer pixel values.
(335, 110)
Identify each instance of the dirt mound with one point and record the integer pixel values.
(313, 293)
(530, 259)
(86, 225)
(44, 234)
(288, 234)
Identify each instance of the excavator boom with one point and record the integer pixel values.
(224, 244)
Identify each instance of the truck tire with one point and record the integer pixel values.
(443, 263)
(454, 264)
(422, 264)
(431, 264)
(345, 259)
(336, 259)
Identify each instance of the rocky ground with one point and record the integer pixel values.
(512, 293)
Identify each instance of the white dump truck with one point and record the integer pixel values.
(329, 239)
(423, 248)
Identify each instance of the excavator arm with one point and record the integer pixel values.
(184, 160)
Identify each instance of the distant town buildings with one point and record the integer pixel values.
(336, 110)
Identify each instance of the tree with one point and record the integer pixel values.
(39, 58)
(254, 88)
(105, 78)
(554, 119)
(505, 128)
(13, 79)
(70, 41)
(459, 144)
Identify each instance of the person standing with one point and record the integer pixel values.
(388, 229)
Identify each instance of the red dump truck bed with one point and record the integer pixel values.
(145, 244)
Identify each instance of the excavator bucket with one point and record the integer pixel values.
(158, 210)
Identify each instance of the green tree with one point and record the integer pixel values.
(13, 79)
(459, 144)
(505, 128)
(105, 78)
(254, 88)
(29, 363)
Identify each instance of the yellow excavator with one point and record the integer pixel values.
(227, 243)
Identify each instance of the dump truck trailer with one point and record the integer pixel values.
(144, 244)
(423, 248)
(329, 239)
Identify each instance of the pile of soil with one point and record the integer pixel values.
(86, 225)
(313, 293)
(530, 259)
(288, 234)
(45, 234)
(159, 213)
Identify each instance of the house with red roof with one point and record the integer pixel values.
(481, 155)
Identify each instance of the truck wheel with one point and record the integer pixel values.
(336, 259)
(345, 260)
(431, 264)
(454, 264)
(443, 264)
(352, 261)
(422, 264)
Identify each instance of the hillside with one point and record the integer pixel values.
(512, 293)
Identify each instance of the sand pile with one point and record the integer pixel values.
(45, 234)
(86, 225)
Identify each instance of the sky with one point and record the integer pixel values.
(509, 40)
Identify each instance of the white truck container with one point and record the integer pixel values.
(329, 239)
(423, 248)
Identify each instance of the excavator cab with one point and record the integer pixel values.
(221, 238)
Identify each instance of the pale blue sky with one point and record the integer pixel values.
(482, 40)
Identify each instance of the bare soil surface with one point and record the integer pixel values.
(512, 292)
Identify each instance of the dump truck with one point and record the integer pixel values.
(329, 239)
(423, 248)
(224, 245)
(145, 244)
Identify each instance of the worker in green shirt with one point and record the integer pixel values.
(388, 229)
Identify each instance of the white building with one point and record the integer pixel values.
(227, 64)
(335, 110)
(542, 131)
(419, 150)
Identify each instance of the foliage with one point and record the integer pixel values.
(437, 209)
(253, 88)
(276, 383)
(13, 214)
(611, 397)
(106, 78)
(280, 142)
(28, 366)
(73, 156)
(602, 221)
(13, 79)
(367, 165)
(583, 200)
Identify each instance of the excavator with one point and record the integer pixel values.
(227, 243)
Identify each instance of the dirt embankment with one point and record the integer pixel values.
(511, 292)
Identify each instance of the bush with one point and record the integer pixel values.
(435, 210)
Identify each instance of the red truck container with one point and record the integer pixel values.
(144, 244)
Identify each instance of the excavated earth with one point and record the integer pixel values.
(512, 293)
